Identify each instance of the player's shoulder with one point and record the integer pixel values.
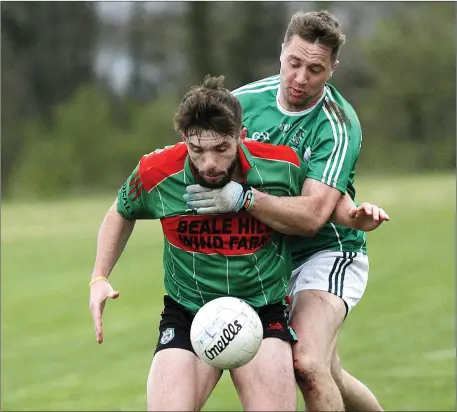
(263, 90)
(156, 166)
(268, 151)
(337, 111)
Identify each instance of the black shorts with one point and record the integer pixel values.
(174, 328)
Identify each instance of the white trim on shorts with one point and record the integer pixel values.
(344, 274)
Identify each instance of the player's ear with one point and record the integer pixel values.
(243, 133)
(183, 136)
(334, 66)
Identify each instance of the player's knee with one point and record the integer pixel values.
(336, 369)
(310, 373)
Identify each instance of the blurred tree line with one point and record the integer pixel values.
(85, 95)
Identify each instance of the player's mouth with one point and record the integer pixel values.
(297, 92)
(213, 178)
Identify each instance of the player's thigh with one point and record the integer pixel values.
(178, 380)
(268, 381)
(174, 357)
(343, 274)
(322, 290)
(316, 317)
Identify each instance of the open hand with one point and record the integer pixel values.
(99, 292)
(368, 217)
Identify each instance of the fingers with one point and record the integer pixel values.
(196, 204)
(208, 210)
(197, 189)
(375, 212)
(383, 215)
(96, 306)
(367, 208)
(97, 318)
(114, 294)
(198, 196)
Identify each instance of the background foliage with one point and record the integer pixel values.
(89, 87)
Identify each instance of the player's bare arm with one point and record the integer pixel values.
(366, 216)
(112, 238)
(305, 215)
(301, 215)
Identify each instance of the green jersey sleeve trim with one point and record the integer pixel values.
(333, 153)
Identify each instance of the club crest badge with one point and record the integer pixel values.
(167, 336)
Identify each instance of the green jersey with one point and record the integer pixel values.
(326, 136)
(206, 257)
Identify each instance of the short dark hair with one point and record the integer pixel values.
(317, 27)
(209, 106)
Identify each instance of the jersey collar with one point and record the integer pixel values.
(303, 112)
(246, 159)
(246, 163)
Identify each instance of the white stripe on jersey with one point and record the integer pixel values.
(161, 201)
(256, 90)
(337, 236)
(329, 161)
(341, 142)
(195, 278)
(263, 82)
(173, 272)
(228, 283)
(261, 283)
(346, 142)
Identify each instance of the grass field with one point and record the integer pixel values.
(399, 340)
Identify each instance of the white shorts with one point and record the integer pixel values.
(344, 274)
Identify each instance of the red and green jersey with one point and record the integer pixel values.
(328, 142)
(206, 257)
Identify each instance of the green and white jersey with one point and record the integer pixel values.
(327, 137)
(206, 257)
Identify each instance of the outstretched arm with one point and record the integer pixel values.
(112, 238)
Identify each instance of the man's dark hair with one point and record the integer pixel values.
(317, 27)
(209, 107)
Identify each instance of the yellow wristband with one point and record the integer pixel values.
(97, 279)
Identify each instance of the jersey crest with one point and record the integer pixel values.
(167, 336)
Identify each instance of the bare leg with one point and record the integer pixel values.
(267, 383)
(356, 396)
(317, 317)
(179, 381)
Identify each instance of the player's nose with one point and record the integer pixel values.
(301, 78)
(209, 162)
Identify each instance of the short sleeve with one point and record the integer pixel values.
(334, 153)
(131, 202)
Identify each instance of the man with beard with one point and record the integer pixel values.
(206, 257)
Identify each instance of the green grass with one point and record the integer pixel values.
(399, 340)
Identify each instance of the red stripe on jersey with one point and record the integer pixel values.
(158, 165)
(135, 178)
(138, 193)
(272, 152)
(136, 183)
(229, 234)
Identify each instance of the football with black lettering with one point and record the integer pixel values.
(226, 333)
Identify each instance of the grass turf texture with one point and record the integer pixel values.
(399, 340)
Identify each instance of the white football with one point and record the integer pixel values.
(226, 333)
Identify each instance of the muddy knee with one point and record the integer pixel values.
(310, 374)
